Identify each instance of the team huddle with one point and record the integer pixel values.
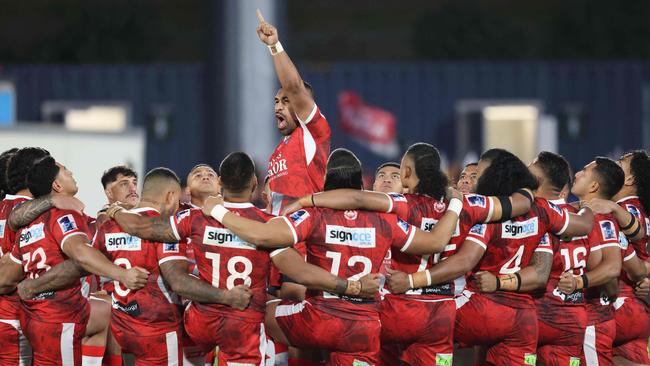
(326, 272)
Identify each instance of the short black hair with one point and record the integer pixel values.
(4, 161)
(236, 171)
(111, 174)
(160, 173)
(640, 169)
(309, 88)
(556, 169)
(41, 176)
(471, 164)
(610, 176)
(20, 164)
(505, 175)
(343, 170)
(390, 163)
(426, 159)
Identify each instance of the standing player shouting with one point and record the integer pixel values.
(297, 166)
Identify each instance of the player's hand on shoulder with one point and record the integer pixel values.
(398, 282)
(25, 290)
(268, 33)
(135, 278)
(485, 281)
(600, 206)
(66, 202)
(291, 208)
(210, 203)
(642, 288)
(370, 284)
(453, 193)
(239, 297)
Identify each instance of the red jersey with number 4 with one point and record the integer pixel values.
(39, 248)
(153, 309)
(510, 245)
(9, 303)
(349, 244)
(424, 212)
(297, 166)
(633, 206)
(225, 260)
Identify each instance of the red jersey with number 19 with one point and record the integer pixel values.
(297, 166)
(153, 309)
(225, 260)
(39, 248)
(510, 245)
(349, 244)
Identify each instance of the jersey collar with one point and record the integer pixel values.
(15, 197)
(559, 201)
(238, 205)
(627, 198)
(144, 209)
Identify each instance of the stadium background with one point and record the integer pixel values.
(183, 82)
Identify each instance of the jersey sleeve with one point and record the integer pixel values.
(558, 218)
(317, 125)
(479, 208)
(301, 223)
(479, 234)
(398, 205)
(68, 224)
(627, 250)
(604, 234)
(15, 255)
(181, 224)
(399, 231)
(545, 245)
(171, 251)
(99, 240)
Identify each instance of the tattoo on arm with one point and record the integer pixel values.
(341, 286)
(59, 277)
(25, 213)
(175, 273)
(161, 231)
(542, 263)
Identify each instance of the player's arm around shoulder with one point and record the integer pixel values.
(423, 242)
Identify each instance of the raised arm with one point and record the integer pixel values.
(157, 229)
(529, 278)
(190, 287)
(28, 211)
(288, 75)
(291, 264)
(92, 260)
(61, 276)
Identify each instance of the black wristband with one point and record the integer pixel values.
(585, 281)
(633, 234)
(506, 207)
(518, 281)
(526, 194)
(498, 283)
(312, 201)
(632, 220)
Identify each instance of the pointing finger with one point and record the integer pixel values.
(260, 17)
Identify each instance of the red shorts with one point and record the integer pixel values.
(163, 349)
(510, 333)
(632, 330)
(308, 326)
(561, 346)
(598, 343)
(239, 341)
(424, 329)
(15, 349)
(54, 343)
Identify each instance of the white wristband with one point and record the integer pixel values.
(455, 205)
(411, 280)
(218, 212)
(428, 277)
(276, 48)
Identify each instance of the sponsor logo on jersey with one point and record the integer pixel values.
(222, 237)
(397, 197)
(122, 241)
(132, 308)
(298, 217)
(519, 229)
(622, 240)
(31, 235)
(545, 240)
(360, 363)
(3, 223)
(607, 229)
(403, 225)
(647, 226)
(350, 215)
(633, 210)
(476, 200)
(439, 206)
(170, 247)
(478, 229)
(277, 165)
(556, 208)
(350, 236)
(180, 215)
(428, 224)
(67, 223)
(444, 359)
(530, 359)
(574, 361)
